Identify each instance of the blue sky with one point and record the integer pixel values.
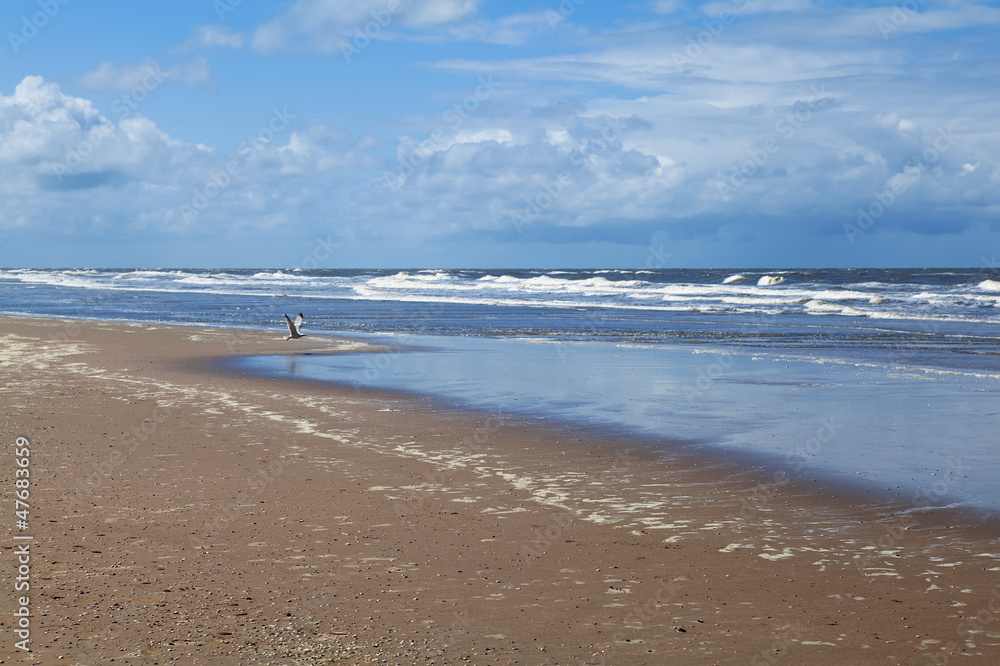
(450, 133)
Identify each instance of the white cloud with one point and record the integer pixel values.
(666, 6)
(736, 136)
(328, 25)
(580, 172)
(439, 12)
(211, 37)
(745, 7)
(498, 135)
(839, 122)
(148, 75)
(512, 30)
(64, 163)
(40, 122)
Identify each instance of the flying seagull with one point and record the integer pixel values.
(293, 327)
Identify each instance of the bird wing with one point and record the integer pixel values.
(298, 322)
(291, 326)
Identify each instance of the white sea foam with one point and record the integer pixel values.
(279, 275)
(989, 285)
(841, 294)
(916, 300)
(202, 279)
(551, 306)
(56, 278)
(149, 275)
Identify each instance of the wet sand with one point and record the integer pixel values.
(182, 514)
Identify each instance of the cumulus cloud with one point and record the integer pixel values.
(610, 140)
(509, 178)
(57, 151)
(805, 129)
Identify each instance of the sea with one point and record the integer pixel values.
(886, 381)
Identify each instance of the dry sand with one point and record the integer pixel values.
(186, 515)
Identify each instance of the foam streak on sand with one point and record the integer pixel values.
(327, 528)
(683, 392)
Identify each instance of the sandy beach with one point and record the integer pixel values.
(183, 514)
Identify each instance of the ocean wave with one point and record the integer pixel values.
(279, 275)
(989, 285)
(149, 275)
(585, 289)
(76, 279)
(717, 293)
(842, 294)
(770, 279)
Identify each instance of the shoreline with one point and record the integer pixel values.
(281, 520)
(766, 468)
